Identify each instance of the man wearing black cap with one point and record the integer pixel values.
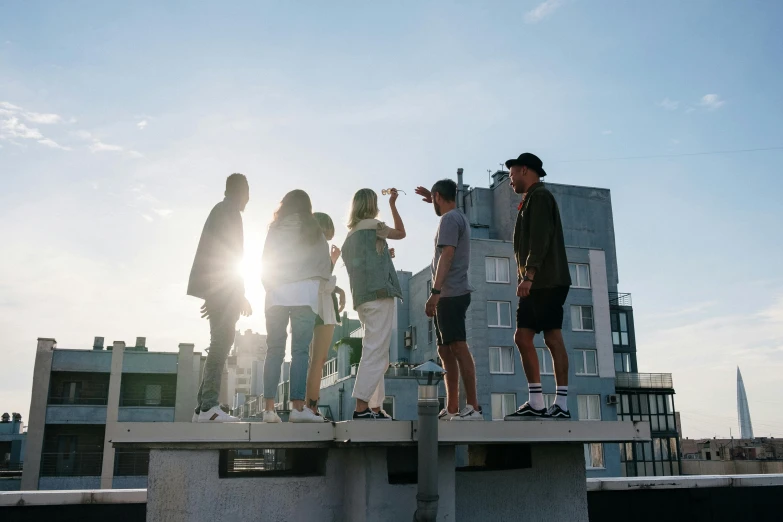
(544, 280)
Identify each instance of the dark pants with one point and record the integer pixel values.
(222, 329)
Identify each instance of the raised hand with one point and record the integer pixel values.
(425, 194)
(335, 253)
(340, 298)
(393, 196)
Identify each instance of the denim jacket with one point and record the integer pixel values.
(371, 273)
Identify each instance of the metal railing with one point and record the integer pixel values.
(79, 401)
(166, 400)
(73, 464)
(619, 299)
(8, 467)
(328, 380)
(393, 371)
(644, 380)
(131, 463)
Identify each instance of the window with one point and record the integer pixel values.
(498, 314)
(429, 330)
(594, 456)
(582, 318)
(503, 404)
(388, 405)
(622, 362)
(501, 359)
(580, 275)
(549, 400)
(589, 407)
(497, 269)
(586, 362)
(152, 394)
(620, 329)
(545, 365)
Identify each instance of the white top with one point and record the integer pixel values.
(326, 309)
(298, 293)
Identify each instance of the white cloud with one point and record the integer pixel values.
(147, 217)
(711, 102)
(669, 105)
(10, 106)
(606, 132)
(542, 11)
(45, 119)
(13, 128)
(163, 212)
(99, 146)
(53, 144)
(142, 124)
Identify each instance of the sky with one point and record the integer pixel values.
(120, 122)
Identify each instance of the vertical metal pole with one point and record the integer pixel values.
(427, 496)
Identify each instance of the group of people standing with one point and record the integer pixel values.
(301, 291)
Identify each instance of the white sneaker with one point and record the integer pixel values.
(271, 417)
(444, 415)
(215, 414)
(306, 415)
(468, 413)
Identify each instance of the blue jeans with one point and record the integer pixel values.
(302, 324)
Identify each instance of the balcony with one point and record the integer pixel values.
(97, 400)
(131, 463)
(71, 464)
(644, 381)
(619, 299)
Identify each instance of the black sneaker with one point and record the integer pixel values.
(367, 414)
(526, 411)
(556, 412)
(382, 415)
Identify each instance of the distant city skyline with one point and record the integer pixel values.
(120, 122)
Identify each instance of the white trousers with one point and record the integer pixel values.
(377, 318)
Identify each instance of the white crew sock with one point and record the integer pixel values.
(562, 397)
(535, 396)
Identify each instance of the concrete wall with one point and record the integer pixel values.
(731, 467)
(68, 483)
(149, 362)
(37, 418)
(81, 361)
(147, 414)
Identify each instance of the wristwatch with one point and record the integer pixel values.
(435, 291)
(526, 278)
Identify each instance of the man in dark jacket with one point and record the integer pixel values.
(543, 283)
(216, 278)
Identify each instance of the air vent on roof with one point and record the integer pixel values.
(98, 343)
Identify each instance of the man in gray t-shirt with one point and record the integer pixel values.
(450, 299)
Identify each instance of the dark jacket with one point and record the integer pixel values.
(538, 240)
(371, 273)
(219, 255)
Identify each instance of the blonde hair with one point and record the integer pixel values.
(364, 206)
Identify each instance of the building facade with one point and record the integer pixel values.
(12, 442)
(77, 393)
(597, 329)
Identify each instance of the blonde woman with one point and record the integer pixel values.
(329, 310)
(374, 286)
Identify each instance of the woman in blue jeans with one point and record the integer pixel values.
(295, 262)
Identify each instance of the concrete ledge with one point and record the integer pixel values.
(684, 482)
(59, 498)
(489, 432)
(181, 435)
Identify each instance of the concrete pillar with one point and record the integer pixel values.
(37, 418)
(187, 384)
(112, 412)
(601, 316)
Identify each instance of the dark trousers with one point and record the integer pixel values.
(222, 329)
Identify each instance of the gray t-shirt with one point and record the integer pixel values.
(454, 230)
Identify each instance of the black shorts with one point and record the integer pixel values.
(542, 310)
(450, 319)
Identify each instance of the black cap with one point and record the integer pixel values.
(528, 160)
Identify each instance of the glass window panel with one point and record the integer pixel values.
(618, 362)
(667, 468)
(615, 327)
(630, 469)
(509, 403)
(670, 421)
(497, 406)
(623, 322)
(640, 469)
(644, 405)
(587, 317)
(572, 269)
(670, 403)
(625, 403)
(506, 360)
(505, 314)
(616, 341)
(624, 339)
(622, 452)
(494, 360)
(653, 404)
(648, 467)
(627, 358)
(492, 313)
(654, 426)
(491, 269)
(675, 468)
(635, 404)
(657, 448)
(576, 318)
(647, 450)
(580, 361)
(639, 452)
(665, 449)
(503, 270)
(658, 469)
(661, 404)
(591, 365)
(584, 275)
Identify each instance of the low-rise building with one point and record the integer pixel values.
(12, 441)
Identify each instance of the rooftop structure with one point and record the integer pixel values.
(743, 411)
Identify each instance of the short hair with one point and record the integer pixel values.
(363, 206)
(446, 188)
(235, 181)
(324, 221)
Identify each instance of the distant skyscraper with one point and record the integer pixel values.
(743, 412)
